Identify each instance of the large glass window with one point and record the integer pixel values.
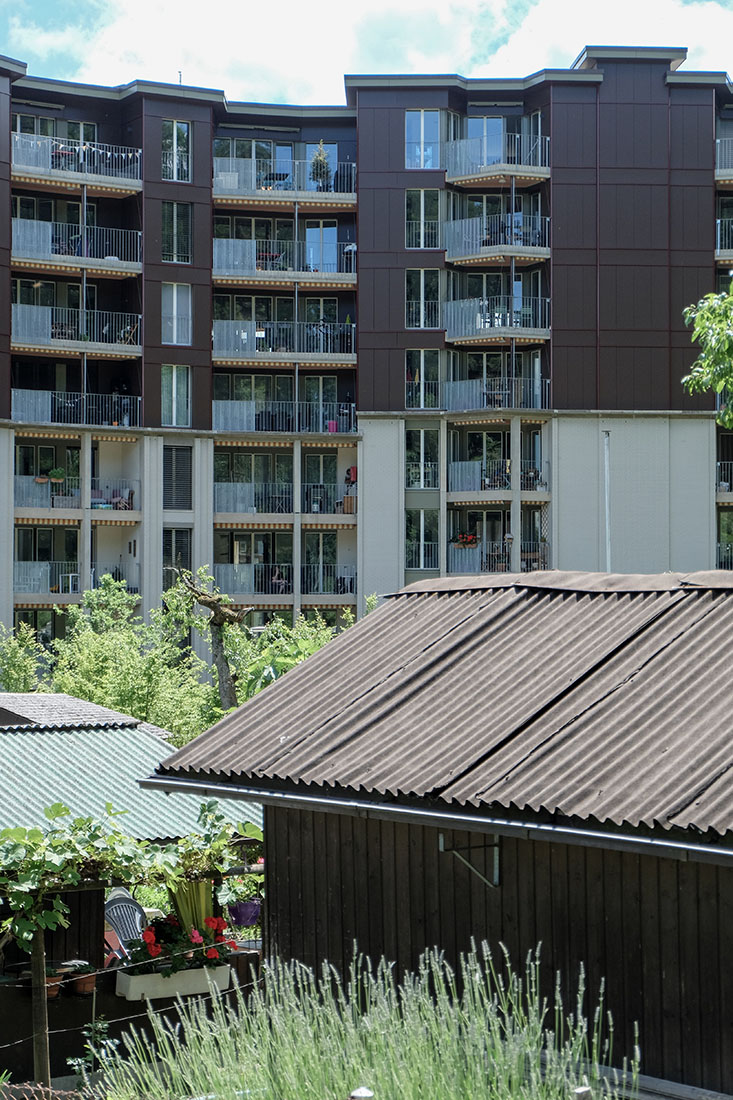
(422, 139)
(421, 538)
(176, 552)
(175, 160)
(175, 313)
(421, 458)
(176, 232)
(422, 298)
(422, 378)
(422, 224)
(175, 403)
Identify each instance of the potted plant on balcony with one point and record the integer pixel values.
(320, 168)
(57, 475)
(83, 977)
(243, 897)
(169, 960)
(41, 479)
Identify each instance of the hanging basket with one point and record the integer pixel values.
(245, 913)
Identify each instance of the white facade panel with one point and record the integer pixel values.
(381, 505)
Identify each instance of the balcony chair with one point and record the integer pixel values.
(126, 918)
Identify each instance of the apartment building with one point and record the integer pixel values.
(221, 346)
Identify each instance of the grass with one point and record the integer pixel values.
(484, 1032)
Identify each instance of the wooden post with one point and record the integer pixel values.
(39, 1010)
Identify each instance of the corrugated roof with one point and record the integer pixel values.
(88, 763)
(580, 695)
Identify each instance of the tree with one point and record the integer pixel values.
(712, 318)
(21, 656)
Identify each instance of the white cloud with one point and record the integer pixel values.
(299, 52)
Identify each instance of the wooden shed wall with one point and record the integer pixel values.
(659, 931)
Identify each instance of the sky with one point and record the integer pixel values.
(297, 52)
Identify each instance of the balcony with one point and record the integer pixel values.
(497, 320)
(118, 494)
(269, 261)
(38, 493)
(496, 393)
(175, 165)
(272, 579)
(71, 248)
(725, 555)
(482, 557)
(284, 341)
(421, 555)
(329, 498)
(64, 407)
(241, 496)
(68, 161)
(478, 477)
(422, 475)
(424, 313)
(44, 577)
(724, 477)
(422, 395)
(128, 571)
(525, 157)
(319, 579)
(724, 239)
(284, 181)
(724, 161)
(284, 416)
(56, 329)
(534, 476)
(534, 555)
(498, 237)
(423, 234)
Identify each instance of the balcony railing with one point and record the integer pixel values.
(473, 318)
(474, 236)
(424, 234)
(39, 492)
(41, 240)
(93, 158)
(246, 177)
(325, 497)
(724, 477)
(52, 324)
(476, 476)
(496, 393)
(62, 407)
(535, 476)
(175, 166)
(280, 416)
(269, 579)
(421, 555)
(328, 580)
(724, 235)
(725, 555)
(45, 577)
(422, 395)
(472, 156)
(421, 475)
(534, 555)
(483, 557)
(128, 571)
(236, 257)
(422, 314)
(120, 494)
(243, 339)
(251, 496)
(724, 154)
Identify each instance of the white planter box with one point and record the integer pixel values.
(136, 987)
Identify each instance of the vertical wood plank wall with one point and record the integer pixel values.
(659, 931)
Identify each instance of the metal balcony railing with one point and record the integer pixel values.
(45, 577)
(175, 329)
(724, 477)
(49, 324)
(534, 555)
(62, 407)
(266, 579)
(326, 416)
(252, 496)
(534, 476)
(424, 234)
(280, 416)
(422, 395)
(234, 257)
(725, 555)
(40, 492)
(93, 158)
(242, 339)
(422, 314)
(496, 393)
(128, 571)
(472, 318)
(421, 555)
(421, 475)
(482, 557)
(235, 176)
(724, 154)
(120, 494)
(472, 156)
(478, 476)
(322, 497)
(474, 236)
(175, 166)
(724, 235)
(42, 240)
(327, 580)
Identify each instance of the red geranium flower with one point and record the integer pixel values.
(212, 953)
(218, 938)
(149, 935)
(232, 945)
(211, 922)
(154, 949)
(261, 859)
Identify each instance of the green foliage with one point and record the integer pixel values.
(36, 865)
(491, 1034)
(20, 658)
(260, 659)
(95, 1035)
(712, 320)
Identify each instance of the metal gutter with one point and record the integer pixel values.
(523, 830)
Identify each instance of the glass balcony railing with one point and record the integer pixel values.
(473, 157)
(66, 407)
(252, 496)
(482, 236)
(48, 155)
(259, 579)
(45, 577)
(724, 154)
(481, 557)
(56, 324)
(44, 240)
(496, 393)
(284, 416)
(40, 492)
(472, 318)
(477, 476)
(243, 339)
(235, 176)
(236, 257)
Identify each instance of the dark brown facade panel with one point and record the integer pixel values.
(574, 377)
(653, 930)
(632, 81)
(633, 135)
(687, 286)
(692, 134)
(692, 220)
(574, 214)
(574, 299)
(634, 378)
(573, 138)
(635, 299)
(633, 217)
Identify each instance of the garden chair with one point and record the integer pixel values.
(126, 918)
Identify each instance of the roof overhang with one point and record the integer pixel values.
(589, 56)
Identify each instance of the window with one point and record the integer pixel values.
(422, 139)
(41, 623)
(177, 491)
(422, 305)
(422, 373)
(175, 163)
(421, 538)
(176, 552)
(81, 131)
(33, 124)
(175, 399)
(175, 325)
(421, 458)
(176, 232)
(422, 226)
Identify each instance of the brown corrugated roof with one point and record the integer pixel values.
(585, 696)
